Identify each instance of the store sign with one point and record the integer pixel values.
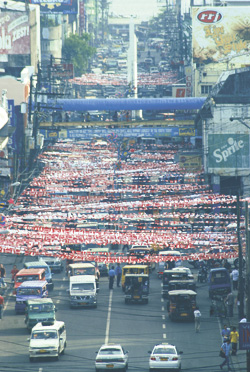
(14, 33)
(244, 336)
(55, 6)
(4, 172)
(228, 151)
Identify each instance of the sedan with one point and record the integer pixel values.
(164, 357)
(111, 356)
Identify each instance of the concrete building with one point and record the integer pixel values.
(224, 123)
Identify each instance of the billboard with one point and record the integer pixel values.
(221, 34)
(14, 33)
(228, 151)
(57, 6)
(244, 336)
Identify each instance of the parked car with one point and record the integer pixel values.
(111, 356)
(164, 357)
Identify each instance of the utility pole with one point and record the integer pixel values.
(247, 275)
(241, 288)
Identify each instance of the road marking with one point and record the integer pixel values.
(162, 300)
(108, 318)
(164, 335)
(60, 293)
(163, 326)
(163, 317)
(57, 301)
(162, 308)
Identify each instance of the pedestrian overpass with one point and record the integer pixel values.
(132, 129)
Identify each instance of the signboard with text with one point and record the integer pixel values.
(228, 151)
(55, 6)
(220, 33)
(244, 336)
(14, 33)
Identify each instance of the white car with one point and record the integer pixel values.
(111, 356)
(165, 356)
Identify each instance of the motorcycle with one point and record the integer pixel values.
(202, 275)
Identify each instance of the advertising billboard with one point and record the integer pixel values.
(221, 34)
(14, 33)
(228, 151)
(244, 336)
(57, 6)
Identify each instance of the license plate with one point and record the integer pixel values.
(110, 365)
(163, 358)
(83, 303)
(136, 296)
(184, 314)
(42, 351)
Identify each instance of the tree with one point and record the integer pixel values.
(76, 49)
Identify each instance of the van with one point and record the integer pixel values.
(39, 310)
(133, 269)
(48, 339)
(41, 264)
(82, 291)
(219, 283)
(28, 290)
(24, 275)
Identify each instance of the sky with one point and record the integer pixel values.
(144, 9)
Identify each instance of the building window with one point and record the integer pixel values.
(206, 89)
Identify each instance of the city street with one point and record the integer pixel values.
(138, 327)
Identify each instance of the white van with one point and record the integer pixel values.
(82, 291)
(48, 339)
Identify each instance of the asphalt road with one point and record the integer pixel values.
(138, 327)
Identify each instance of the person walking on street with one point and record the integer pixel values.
(230, 304)
(1, 306)
(2, 275)
(235, 278)
(118, 273)
(225, 333)
(13, 272)
(111, 277)
(197, 319)
(234, 336)
(226, 347)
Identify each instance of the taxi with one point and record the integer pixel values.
(164, 357)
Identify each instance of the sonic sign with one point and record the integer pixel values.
(219, 33)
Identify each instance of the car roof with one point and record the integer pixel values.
(33, 283)
(81, 265)
(182, 291)
(39, 327)
(107, 346)
(82, 279)
(39, 301)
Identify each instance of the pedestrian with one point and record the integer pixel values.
(230, 304)
(14, 271)
(225, 333)
(1, 306)
(234, 336)
(111, 277)
(197, 319)
(2, 275)
(226, 348)
(235, 278)
(118, 273)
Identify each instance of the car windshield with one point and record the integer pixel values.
(164, 350)
(24, 278)
(45, 308)
(84, 271)
(82, 286)
(110, 351)
(43, 335)
(28, 291)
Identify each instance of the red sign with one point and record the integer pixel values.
(61, 70)
(209, 16)
(14, 33)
